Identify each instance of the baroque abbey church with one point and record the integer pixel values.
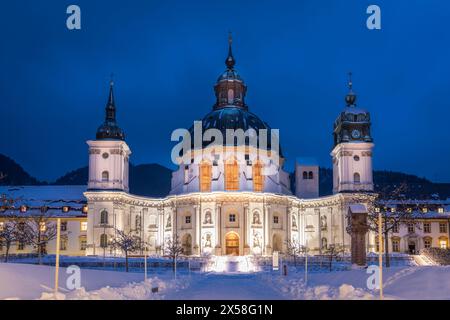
(222, 200)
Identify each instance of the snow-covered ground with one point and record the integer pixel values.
(25, 281)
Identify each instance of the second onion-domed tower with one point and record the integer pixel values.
(353, 144)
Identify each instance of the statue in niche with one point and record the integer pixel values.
(256, 239)
(294, 222)
(208, 219)
(256, 219)
(169, 221)
(323, 222)
(207, 239)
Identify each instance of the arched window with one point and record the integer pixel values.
(305, 175)
(258, 178)
(104, 217)
(310, 175)
(105, 176)
(103, 240)
(230, 96)
(205, 177)
(356, 177)
(231, 175)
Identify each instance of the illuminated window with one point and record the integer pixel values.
(83, 243)
(230, 96)
(104, 217)
(427, 227)
(424, 209)
(395, 245)
(231, 175)
(105, 176)
(442, 227)
(377, 209)
(356, 177)
(393, 210)
(395, 228)
(2, 226)
(443, 243)
(205, 177)
(83, 226)
(427, 242)
(441, 210)
(103, 240)
(42, 226)
(232, 217)
(21, 245)
(258, 178)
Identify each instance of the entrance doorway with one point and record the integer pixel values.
(232, 244)
(412, 248)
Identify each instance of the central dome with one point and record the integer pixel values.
(230, 110)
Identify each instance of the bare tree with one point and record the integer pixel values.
(293, 249)
(174, 249)
(332, 252)
(38, 229)
(8, 230)
(382, 204)
(9, 235)
(126, 242)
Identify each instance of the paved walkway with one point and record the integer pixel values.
(225, 286)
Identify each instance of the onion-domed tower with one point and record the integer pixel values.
(109, 153)
(231, 164)
(353, 144)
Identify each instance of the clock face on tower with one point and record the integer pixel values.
(356, 134)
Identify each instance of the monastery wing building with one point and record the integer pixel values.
(222, 201)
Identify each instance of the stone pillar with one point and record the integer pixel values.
(267, 247)
(197, 230)
(246, 229)
(317, 212)
(358, 229)
(218, 224)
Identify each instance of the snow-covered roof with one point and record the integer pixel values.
(34, 198)
(358, 208)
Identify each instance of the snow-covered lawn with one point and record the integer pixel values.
(24, 281)
(430, 282)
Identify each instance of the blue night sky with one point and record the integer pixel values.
(166, 55)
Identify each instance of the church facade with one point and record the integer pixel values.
(224, 199)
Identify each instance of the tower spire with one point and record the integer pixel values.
(109, 129)
(350, 98)
(110, 105)
(230, 62)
